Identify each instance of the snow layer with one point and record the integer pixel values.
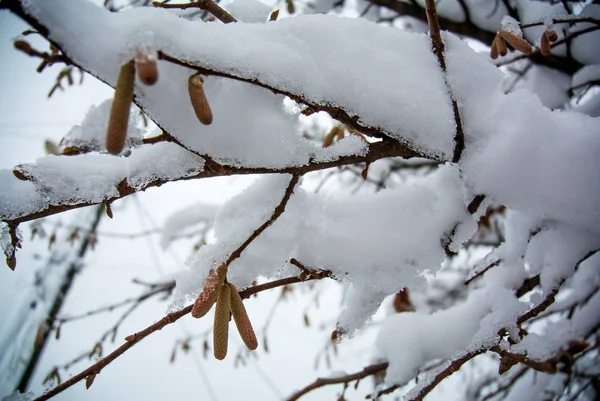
(520, 153)
(403, 92)
(93, 178)
(379, 243)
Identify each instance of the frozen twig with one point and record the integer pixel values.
(438, 49)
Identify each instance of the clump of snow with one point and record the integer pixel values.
(409, 340)
(511, 25)
(249, 11)
(520, 153)
(91, 178)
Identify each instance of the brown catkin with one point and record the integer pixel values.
(208, 295)
(517, 42)
(119, 111)
(242, 321)
(501, 45)
(199, 100)
(545, 45)
(221, 323)
(328, 140)
(146, 68)
(494, 49)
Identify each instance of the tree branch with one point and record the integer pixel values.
(133, 339)
(438, 49)
(321, 382)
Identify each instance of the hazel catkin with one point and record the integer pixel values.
(119, 112)
(242, 321)
(517, 42)
(221, 323)
(199, 100)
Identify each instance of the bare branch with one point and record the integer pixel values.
(321, 382)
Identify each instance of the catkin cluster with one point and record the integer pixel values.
(228, 303)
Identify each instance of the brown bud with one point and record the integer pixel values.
(198, 99)
(21, 174)
(335, 132)
(146, 68)
(109, 211)
(23, 46)
(517, 42)
(365, 171)
(494, 49)
(221, 323)
(551, 34)
(545, 45)
(130, 338)
(11, 262)
(119, 111)
(89, 380)
(274, 15)
(242, 321)
(290, 6)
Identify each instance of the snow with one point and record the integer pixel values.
(401, 233)
(186, 217)
(513, 167)
(91, 177)
(306, 55)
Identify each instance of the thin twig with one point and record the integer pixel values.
(321, 382)
(279, 209)
(438, 48)
(206, 5)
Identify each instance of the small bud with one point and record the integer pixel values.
(119, 112)
(109, 211)
(274, 15)
(89, 380)
(221, 323)
(517, 42)
(130, 338)
(11, 262)
(242, 321)
(198, 99)
(23, 46)
(146, 68)
(290, 6)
